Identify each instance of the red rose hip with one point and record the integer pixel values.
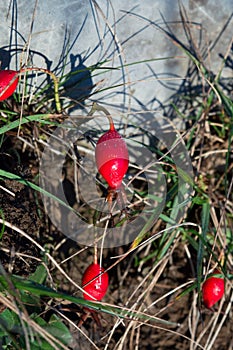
(212, 290)
(112, 157)
(98, 286)
(8, 83)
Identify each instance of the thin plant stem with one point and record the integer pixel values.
(96, 107)
(55, 82)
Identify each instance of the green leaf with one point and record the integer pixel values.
(9, 325)
(8, 322)
(59, 330)
(39, 275)
(198, 200)
(167, 219)
(32, 302)
(55, 327)
(39, 344)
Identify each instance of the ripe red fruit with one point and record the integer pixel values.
(99, 285)
(112, 157)
(8, 83)
(213, 290)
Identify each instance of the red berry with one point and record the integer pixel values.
(8, 83)
(98, 287)
(112, 157)
(212, 290)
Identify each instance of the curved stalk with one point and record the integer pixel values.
(96, 107)
(55, 82)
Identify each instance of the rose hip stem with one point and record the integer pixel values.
(96, 107)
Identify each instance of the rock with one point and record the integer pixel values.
(128, 32)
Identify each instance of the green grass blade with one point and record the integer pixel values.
(41, 118)
(205, 216)
(41, 290)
